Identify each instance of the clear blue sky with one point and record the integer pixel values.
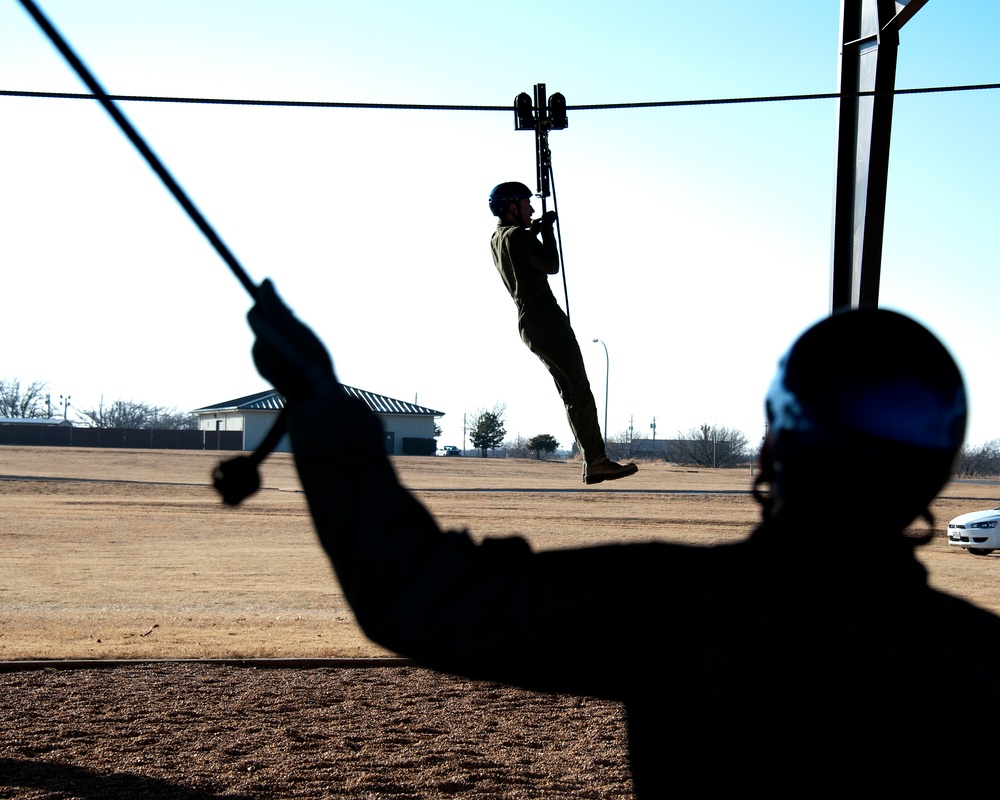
(697, 239)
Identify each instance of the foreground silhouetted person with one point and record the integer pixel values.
(525, 263)
(810, 660)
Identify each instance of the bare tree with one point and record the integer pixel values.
(136, 416)
(17, 401)
(712, 446)
(978, 461)
(517, 447)
(173, 419)
(622, 446)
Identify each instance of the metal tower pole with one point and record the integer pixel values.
(869, 40)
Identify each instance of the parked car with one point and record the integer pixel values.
(449, 450)
(976, 531)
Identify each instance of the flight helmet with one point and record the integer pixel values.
(506, 193)
(867, 414)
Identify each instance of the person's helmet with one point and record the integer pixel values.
(506, 193)
(867, 412)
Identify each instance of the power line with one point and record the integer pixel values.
(506, 108)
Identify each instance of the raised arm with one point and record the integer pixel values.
(492, 610)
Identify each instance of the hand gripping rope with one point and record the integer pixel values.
(237, 478)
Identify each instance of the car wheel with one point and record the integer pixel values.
(978, 551)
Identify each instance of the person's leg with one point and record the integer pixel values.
(556, 346)
(570, 377)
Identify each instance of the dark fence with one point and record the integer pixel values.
(413, 446)
(64, 436)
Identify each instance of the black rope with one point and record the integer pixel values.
(140, 144)
(123, 98)
(237, 478)
(562, 260)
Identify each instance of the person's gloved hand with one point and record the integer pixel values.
(287, 352)
(549, 218)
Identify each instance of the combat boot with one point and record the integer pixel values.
(603, 468)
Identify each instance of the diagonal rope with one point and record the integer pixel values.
(151, 158)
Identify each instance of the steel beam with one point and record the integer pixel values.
(869, 40)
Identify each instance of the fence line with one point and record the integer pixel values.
(159, 439)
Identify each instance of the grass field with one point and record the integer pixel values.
(130, 554)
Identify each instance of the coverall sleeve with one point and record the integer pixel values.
(563, 621)
(526, 249)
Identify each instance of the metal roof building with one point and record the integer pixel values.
(60, 421)
(254, 415)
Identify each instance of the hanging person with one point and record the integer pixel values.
(525, 263)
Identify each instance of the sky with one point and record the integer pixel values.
(696, 239)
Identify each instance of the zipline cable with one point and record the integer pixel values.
(237, 478)
(151, 158)
(506, 109)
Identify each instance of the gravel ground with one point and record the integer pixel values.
(191, 731)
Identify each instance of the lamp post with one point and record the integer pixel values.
(607, 376)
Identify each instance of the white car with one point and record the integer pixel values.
(976, 531)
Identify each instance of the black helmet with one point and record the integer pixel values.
(868, 405)
(506, 193)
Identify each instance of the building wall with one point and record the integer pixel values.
(256, 424)
(221, 421)
(405, 426)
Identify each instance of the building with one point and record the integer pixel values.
(407, 428)
(36, 421)
(35, 431)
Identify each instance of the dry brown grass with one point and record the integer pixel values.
(130, 554)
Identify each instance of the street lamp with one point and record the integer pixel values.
(607, 376)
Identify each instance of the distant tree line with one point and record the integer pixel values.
(137, 416)
(713, 446)
(979, 461)
(538, 447)
(33, 401)
(23, 402)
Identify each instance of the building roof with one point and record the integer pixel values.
(36, 421)
(274, 401)
(262, 401)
